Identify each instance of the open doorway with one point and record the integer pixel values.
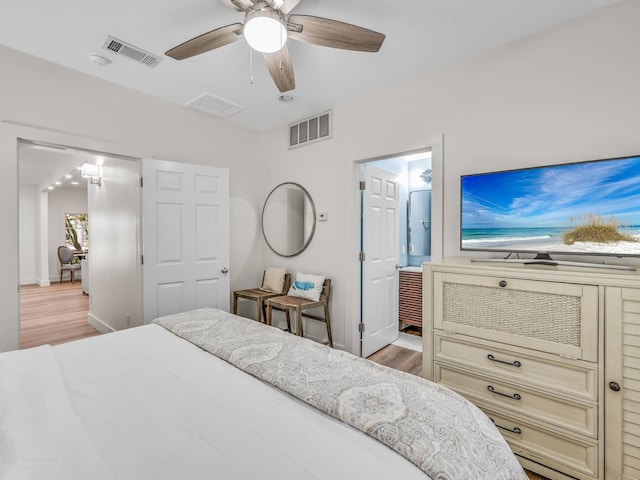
(395, 239)
(55, 204)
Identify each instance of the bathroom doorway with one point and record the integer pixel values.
(395, 239)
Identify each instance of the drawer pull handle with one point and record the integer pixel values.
(515, 363)
(502, 283)
(512, 430)
(515, 396)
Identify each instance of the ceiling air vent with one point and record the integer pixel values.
(311, 130)
(130, 51)
(216, 106)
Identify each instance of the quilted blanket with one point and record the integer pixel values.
(438, 430)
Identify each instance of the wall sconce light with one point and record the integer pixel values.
(93, 173)
(426, 176)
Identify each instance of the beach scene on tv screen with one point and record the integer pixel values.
(587, 208)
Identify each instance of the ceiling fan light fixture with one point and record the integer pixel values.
(265, 29)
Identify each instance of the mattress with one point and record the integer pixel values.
(146, 404)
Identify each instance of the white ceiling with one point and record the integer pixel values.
(46, 167)
(420, 34)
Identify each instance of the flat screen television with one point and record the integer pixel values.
(585, 208)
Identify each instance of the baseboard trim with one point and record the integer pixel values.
(98, 324)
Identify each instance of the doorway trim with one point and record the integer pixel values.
(435, 143)
(10, 134)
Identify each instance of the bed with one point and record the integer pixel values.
(207, 394)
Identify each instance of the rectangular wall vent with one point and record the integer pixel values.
(311, 129)
(130, 51)
(213, 105)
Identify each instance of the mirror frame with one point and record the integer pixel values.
(313, 227)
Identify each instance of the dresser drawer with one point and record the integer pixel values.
(553, 317)
(572, 455)
(565, 377)
(563, 414)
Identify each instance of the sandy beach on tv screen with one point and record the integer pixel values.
(613, 248)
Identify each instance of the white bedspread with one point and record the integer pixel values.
(40, 435)
(438, 430)
(156, 407)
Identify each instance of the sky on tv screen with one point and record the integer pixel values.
(530, 209)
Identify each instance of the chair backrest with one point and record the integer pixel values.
(65, 254)
(326, 290)
(287, 283)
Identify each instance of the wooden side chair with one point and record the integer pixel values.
(288, 303)
(65, 257)
(259, 295)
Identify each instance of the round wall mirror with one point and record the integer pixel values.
(288, 219)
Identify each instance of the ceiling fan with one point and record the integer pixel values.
(267, 30)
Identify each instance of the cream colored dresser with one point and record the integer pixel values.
(551, 354)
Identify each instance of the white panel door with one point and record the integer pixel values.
(380, 241)
(185, 237)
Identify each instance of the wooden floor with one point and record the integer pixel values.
(53, 315)
(400, 359)
(411, 361)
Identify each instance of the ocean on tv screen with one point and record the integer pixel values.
(543, 240)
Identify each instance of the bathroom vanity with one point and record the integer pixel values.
(410, 297)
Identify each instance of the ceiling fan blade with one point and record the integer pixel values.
(208, 41)
(238, 5)
(285, 6)
(281, 69)
(332, 33)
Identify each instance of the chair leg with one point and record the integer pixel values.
(328, 322)
(61, 276)
(235, 304)
(72, 277)
(299, 322)
(288, 317)
(269, 313)
(260, 305)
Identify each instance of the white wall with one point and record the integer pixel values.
(114, 257)
(40, 99)
(61, 201)
(565, 95)
(29, 234)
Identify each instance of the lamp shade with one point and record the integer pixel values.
(265, 30)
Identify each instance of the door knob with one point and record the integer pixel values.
(225, 270)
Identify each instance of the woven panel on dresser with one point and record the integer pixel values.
(544, 316)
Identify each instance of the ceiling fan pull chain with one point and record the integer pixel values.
(281, 52)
